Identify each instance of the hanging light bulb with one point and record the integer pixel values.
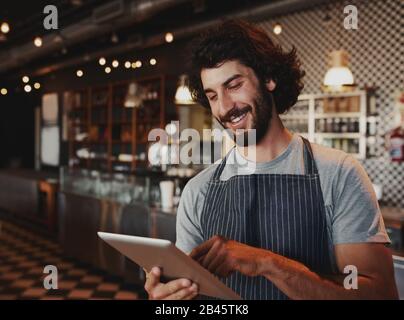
(5, 27)
(115, 63)
(38, 42)
(183, 94)
(338, 75)
(133, 98)
(169, 37)
(102, 61)
(25, 79)
(277, 29)
(3, 91)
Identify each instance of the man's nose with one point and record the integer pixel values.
(225, 103)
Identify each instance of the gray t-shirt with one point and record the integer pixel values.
(352, 211)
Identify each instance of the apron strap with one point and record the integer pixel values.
(222, 164)
(310, 166)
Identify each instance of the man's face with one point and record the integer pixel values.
(237, 99)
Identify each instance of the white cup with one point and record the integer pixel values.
(167, 194)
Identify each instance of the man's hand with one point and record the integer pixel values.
(179, 289)
(222, 257)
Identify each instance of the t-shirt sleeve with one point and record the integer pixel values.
(189, 234)
(356, 215)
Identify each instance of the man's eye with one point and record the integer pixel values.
(211, 98)
(235, 86)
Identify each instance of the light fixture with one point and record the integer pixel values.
(183, 94)
(102, 61)
(133, 65)
(25, 79)
(38, 42)
(171, 129)
(133, 98)
(37, 85)
(138, 64)
(338, 75)
(127, 64)
(27, 88)
(79, 73)
(277, 28)
(169, 37)
(115, 63)
(3, 91)
(107, 70)
(114, 38)
(5, 28)
(153, 61)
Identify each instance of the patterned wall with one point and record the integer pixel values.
(376, 51)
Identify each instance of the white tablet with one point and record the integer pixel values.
(149, 252)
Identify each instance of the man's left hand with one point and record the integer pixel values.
(222, 257)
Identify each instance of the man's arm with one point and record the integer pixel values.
(372, 260)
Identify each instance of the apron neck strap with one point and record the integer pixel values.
(309, 163)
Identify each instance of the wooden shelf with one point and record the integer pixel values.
(117, 120)
(338, 135)
(333, 115)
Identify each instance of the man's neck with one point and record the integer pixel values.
(274, 143)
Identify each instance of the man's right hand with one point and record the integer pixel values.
(179, 289)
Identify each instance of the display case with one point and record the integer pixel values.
(345, 121)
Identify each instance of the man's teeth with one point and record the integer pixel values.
(235, 120)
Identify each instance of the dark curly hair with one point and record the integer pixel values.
(242, 41)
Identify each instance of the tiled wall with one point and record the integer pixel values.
(376, 51)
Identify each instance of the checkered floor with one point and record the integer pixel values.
(23, 256)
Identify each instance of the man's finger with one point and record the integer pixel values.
(152, 278)
(203, 248)
(184, 294)
(171, 288)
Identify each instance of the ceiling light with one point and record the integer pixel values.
(102, 61)
(138, 63)
(169, 37)
(338, 75)
(5, 28)
(79, 73)
(27, 88)
(114, 38)
(37, 85)
(3, 91)
(133, 65)
(133, 98)
(38, 42)
(153, 61)
(183, 94)
(127, 64)
(107, 70)
(115, 63)
(25, 79)
(277, 29)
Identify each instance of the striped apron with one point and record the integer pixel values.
(284, 213)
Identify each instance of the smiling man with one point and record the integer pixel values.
(289, 229)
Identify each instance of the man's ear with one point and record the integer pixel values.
(270, 84)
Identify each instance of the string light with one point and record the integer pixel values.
(25, 79)
(79, 73)
(107, 70)
(102, 61)
(153, 61)
(5, 28)
(38, 42)
(169, 37)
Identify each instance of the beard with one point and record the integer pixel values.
(261, 113)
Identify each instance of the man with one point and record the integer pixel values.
(307, 212)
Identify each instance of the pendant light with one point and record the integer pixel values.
(338, 75)
(183, 94)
